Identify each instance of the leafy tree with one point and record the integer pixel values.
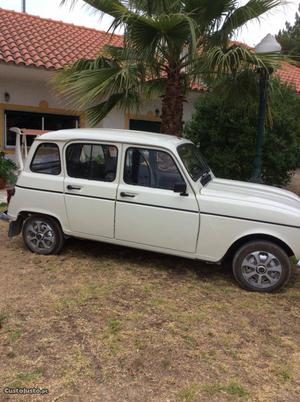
(225, 130)
(168, 45)
(289, 38)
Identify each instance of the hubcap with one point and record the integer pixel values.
(261, 269)
(40, 236)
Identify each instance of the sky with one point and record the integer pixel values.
(81, 15)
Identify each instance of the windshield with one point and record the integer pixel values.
(193, 160)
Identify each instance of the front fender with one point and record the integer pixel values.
(218, 234)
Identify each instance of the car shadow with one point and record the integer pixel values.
(176, 266)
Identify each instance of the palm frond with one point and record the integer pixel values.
(114, 8)
(219, 61)
(153, 88)
(97, 113)
(110, 7)
(174, 41)
(209, 14)
(243, 86)
(126, 102)
(240, 16)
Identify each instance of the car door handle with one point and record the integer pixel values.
(70, 187)
(129, 195)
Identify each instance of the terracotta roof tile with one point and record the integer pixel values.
(290, 74)
(30, 40)
(47, 43)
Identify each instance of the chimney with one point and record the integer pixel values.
(23, 6)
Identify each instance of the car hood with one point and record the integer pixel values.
(250, 201)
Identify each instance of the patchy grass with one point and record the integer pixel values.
(236, 390)
(233, 388)
(3, 206)
(3, 318)
(285, 374)
(107, 323)
(22, 379)
(13, 334)
(189, 393)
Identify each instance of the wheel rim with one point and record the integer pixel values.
(261, 269)
(40, 236)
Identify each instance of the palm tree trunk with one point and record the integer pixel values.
(172, 106)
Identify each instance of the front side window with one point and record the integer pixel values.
(151, 168)
(46, 159)
(193, 160)
(92, 161)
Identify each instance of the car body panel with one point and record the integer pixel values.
(95, 200)
(202, 225)
(250, 201)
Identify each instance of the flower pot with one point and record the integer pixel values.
(2, 183)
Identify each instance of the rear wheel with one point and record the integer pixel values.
(43, 235)
(261, 266)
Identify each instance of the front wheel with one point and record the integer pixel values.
(261, 266)
(43, 235)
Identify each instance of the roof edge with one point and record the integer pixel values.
(59, 22)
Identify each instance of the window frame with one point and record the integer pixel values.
(42, 116)
(144, 119)
(91, 143)
(186, 167)
(165, 151)
(34, 155)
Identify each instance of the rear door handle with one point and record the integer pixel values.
(129, 195)
(70, 187)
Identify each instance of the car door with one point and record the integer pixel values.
(148, 211)
(90, 187)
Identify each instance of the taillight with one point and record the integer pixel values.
(10, 193)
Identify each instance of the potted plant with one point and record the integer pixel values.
(7, 171)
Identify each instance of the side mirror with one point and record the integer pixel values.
(180, 188)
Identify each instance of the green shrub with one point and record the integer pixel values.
(226, 133)
(7, 169)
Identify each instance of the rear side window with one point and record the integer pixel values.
(46, 159)
(92, 161)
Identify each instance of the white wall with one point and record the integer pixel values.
(29, 86)
(116, 119)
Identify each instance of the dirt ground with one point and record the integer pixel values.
(105, 323)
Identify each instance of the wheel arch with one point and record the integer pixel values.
(16, 229)
(257, 236)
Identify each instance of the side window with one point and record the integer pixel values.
(92, 161)
(46, 159)
(151, 168)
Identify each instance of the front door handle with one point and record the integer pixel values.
(129, 195)
(70, 187)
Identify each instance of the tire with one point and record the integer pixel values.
(43, 235)
(261, 266)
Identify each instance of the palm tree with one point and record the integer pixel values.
(169, 45)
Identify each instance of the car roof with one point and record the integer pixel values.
(113, 135)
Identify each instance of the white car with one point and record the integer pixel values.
(153, 192)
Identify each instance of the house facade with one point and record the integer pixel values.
(33, 49)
